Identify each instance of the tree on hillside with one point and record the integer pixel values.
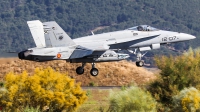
(78, 18)
(176, 74)
(46, 88)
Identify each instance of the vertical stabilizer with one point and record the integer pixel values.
(36, 28)
(55, 36)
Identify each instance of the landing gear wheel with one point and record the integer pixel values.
(139, 63)
(80, 70)
(94, 71)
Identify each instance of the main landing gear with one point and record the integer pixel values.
(94, 71)
(80, 69)
(139, 61)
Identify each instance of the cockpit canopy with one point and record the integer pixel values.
(143, 28)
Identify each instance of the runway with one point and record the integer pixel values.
(101, 87)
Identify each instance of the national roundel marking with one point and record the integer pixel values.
(60, 37)
(58, 55)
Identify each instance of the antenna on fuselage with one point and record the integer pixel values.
(92, 32)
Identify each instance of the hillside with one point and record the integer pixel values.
(78, 18)
(111, 74)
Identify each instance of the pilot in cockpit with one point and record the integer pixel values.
(148, 28)
(139, 28)
(142, 28)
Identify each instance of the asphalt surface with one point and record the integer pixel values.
(101, 87)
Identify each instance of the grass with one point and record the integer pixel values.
(98, 101)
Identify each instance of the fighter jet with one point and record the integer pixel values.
(52, 43)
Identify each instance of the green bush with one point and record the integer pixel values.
(187, 100)
(1, 84)
(31, 109)
(176, 74)
(132, 99)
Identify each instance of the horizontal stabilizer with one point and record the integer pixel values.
(80, 52)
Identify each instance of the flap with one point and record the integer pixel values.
(80, 52)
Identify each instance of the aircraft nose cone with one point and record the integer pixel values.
(187, 36)
(192, 37)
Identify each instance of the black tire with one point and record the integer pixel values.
(136, 63)
(139, 63)
(79, 70)
(94, 72)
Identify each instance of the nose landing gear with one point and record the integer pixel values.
(139, 61)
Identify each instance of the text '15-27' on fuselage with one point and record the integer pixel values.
(52, 43)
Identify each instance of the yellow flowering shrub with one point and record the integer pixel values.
(188, 100)
(45, 88)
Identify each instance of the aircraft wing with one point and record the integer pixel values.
(80, 52)
(94, 45)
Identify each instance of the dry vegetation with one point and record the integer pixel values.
(98, 100)
(111, 74)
